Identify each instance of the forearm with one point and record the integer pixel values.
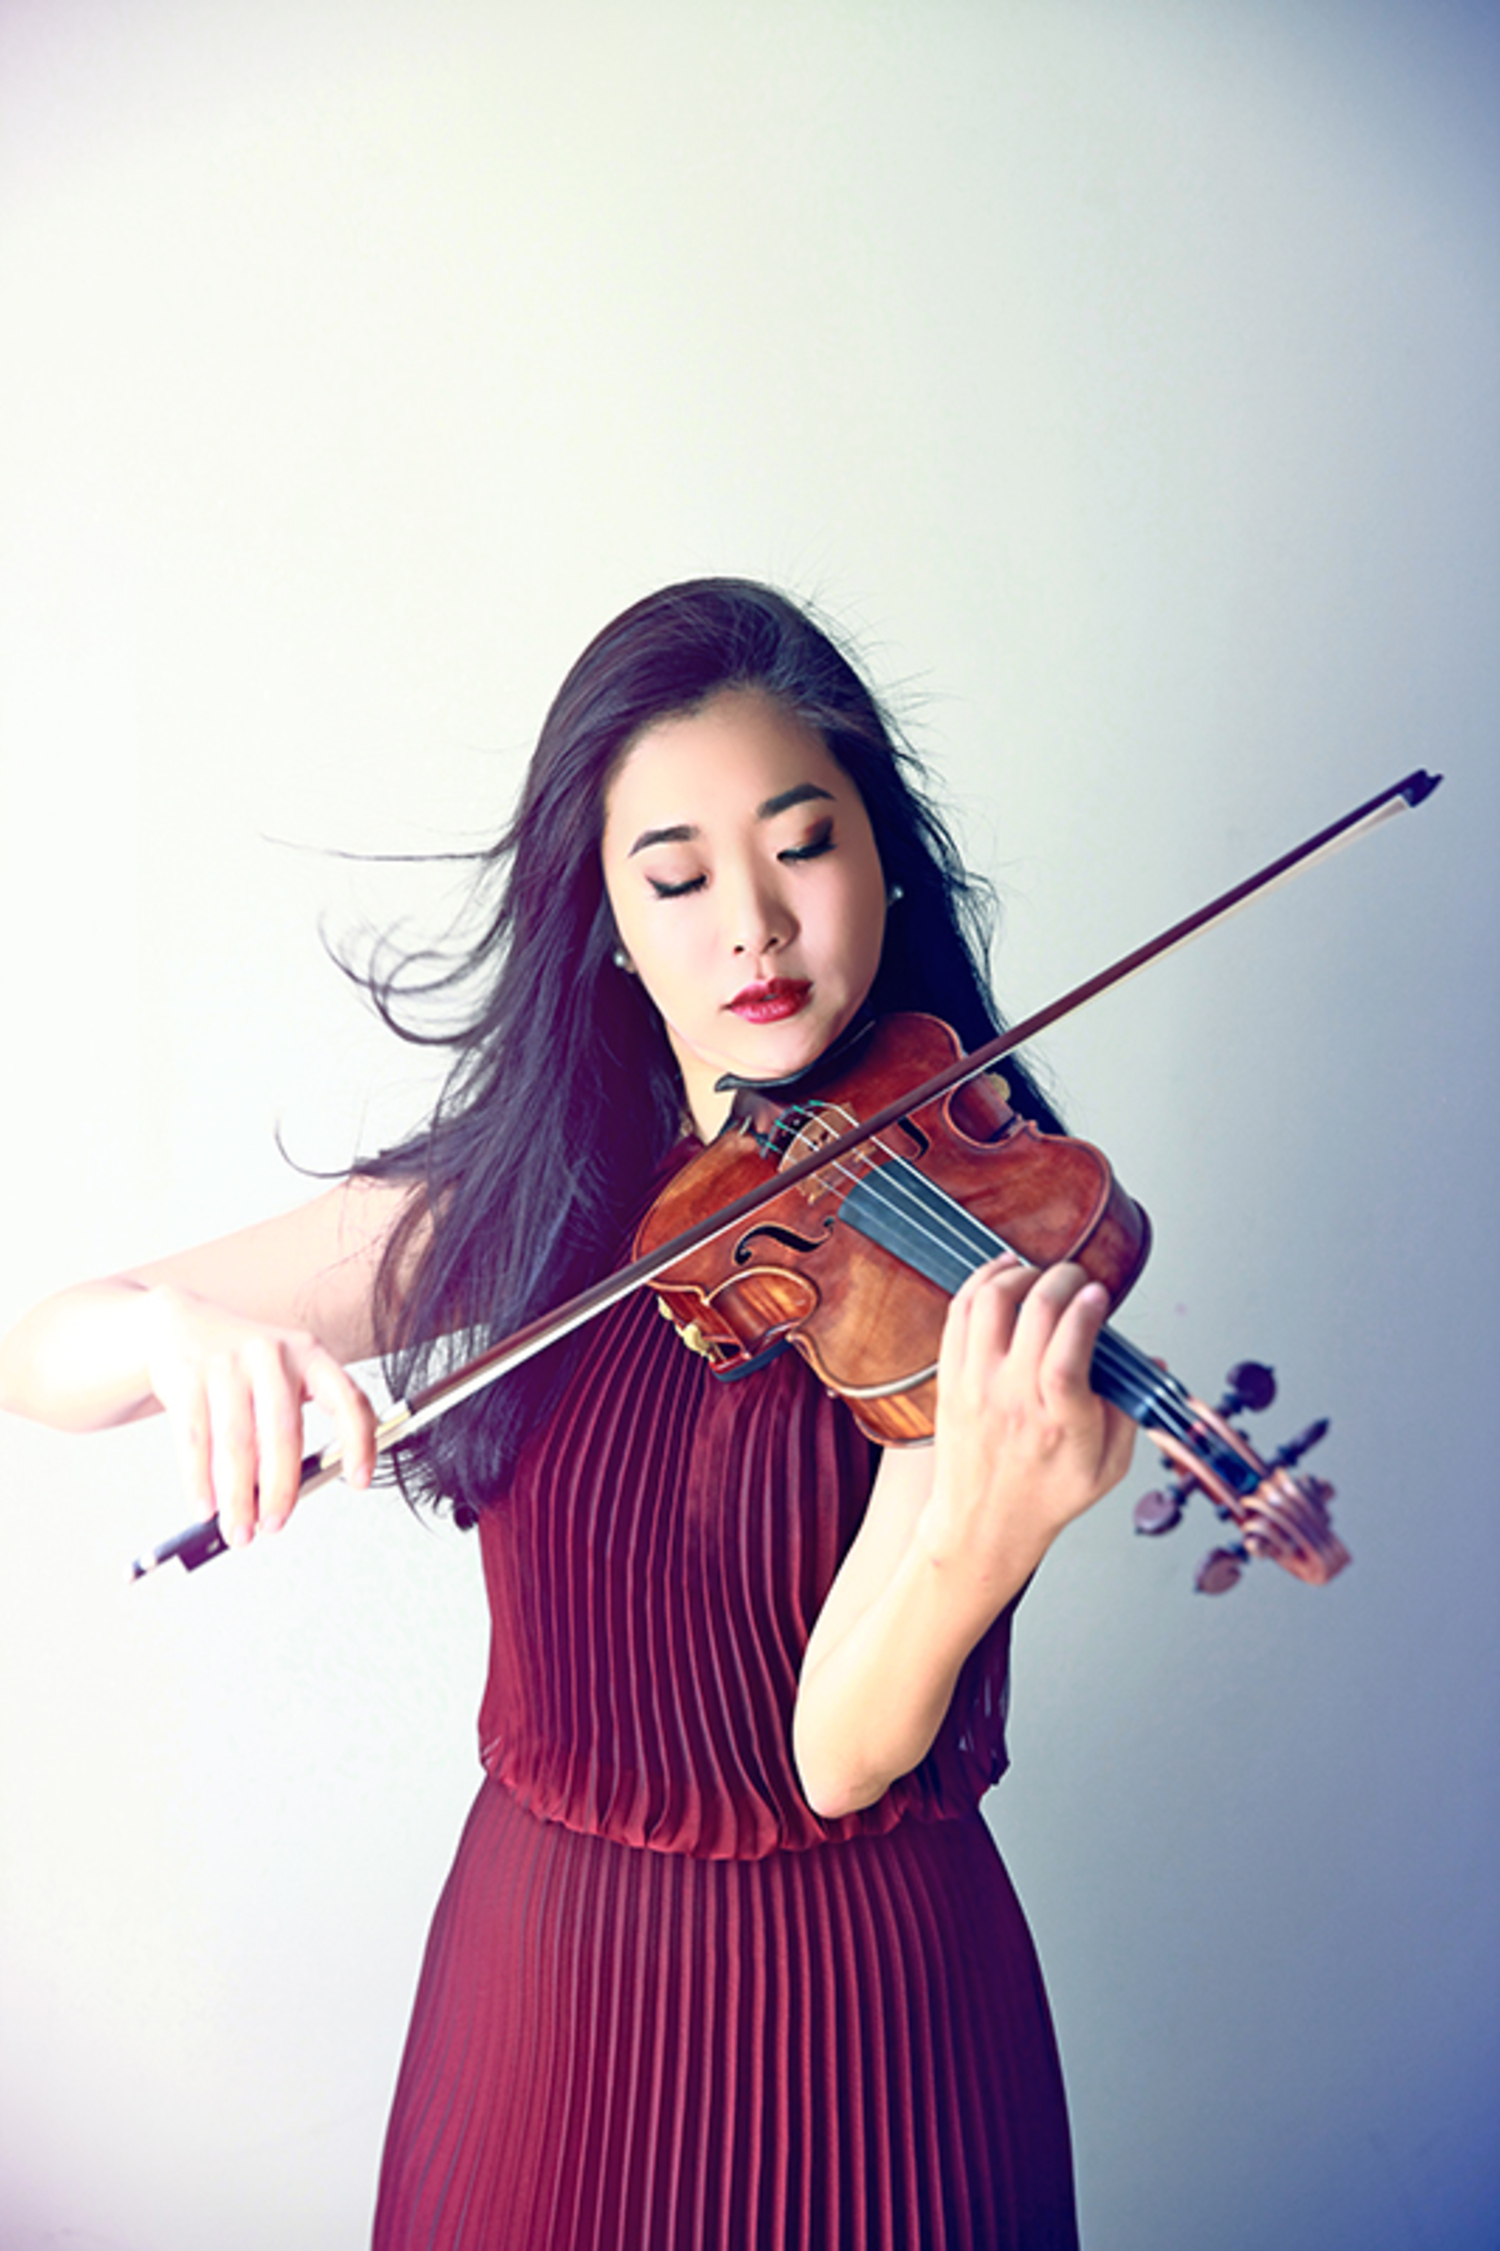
(95, 1355)
(79, 1360)
(869, 1707)
(952, 1533)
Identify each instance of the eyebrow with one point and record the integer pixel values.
(801, 793)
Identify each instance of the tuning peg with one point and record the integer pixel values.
(1159, 1511)
(1220, 1570)
(1304, 1443)
(1251, 1387)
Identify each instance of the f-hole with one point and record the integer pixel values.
(786, 1236)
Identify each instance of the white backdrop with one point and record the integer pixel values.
(1123, 376)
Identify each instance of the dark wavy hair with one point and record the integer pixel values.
(564, 1095)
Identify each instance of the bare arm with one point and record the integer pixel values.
(954, 1531)
(231, 1339)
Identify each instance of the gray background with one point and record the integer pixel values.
(1123, 376)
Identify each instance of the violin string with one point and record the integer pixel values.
(919, 1210)
(1130, 1371)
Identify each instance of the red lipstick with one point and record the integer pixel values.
(770, 1000)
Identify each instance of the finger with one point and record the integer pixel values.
(987, 1288)
(995, 1316)
(232, 1456)
(278, 1429)
(342, 1400)
(1004, 1262)
(190, 1429)
(1019, 1314)
(1069, 1315)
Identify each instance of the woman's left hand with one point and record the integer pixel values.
(1023, 1443)
(954, 1531)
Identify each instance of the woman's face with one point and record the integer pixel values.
(746, 888)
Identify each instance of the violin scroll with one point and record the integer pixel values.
(1274, 1513)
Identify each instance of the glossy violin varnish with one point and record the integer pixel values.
(855, 1264)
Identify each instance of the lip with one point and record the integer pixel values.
(769, 1002)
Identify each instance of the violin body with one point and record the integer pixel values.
(835, 1265)
(855, 1263)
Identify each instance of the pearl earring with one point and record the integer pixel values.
(894, 895)
(622, 960)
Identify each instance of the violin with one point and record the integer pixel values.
(827, 1157)
(854, 1263)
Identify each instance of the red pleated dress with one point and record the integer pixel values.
(664, 2006)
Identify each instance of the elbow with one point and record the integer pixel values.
(831, 1799)
(830, 1802)
(833, 1786)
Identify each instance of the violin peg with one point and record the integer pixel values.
(1304, 1443)
(1158, 1512)
(1219, 1570)
(1251, 1387)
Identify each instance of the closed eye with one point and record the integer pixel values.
(818, 843)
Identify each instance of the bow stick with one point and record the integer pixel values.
(202, 1541)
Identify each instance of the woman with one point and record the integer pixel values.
(727, 1957)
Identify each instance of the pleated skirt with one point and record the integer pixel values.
(840, 2049)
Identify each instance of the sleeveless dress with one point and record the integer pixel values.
(664, 2006)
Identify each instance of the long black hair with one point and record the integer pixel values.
(564, 1095)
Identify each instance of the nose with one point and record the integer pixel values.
(759, 921)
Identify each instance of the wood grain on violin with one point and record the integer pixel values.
(854, 1264)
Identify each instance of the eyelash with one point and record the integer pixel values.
(795, 854)
(818, 843)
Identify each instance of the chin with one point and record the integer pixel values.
(778, 1051)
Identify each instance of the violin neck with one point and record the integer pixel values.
(907, 1214)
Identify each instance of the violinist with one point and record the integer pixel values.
(727, 1957)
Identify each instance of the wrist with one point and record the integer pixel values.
(978, 1556)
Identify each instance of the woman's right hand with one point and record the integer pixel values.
(234, 1390)
(232, 1339)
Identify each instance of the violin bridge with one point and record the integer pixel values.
(807, 1131)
